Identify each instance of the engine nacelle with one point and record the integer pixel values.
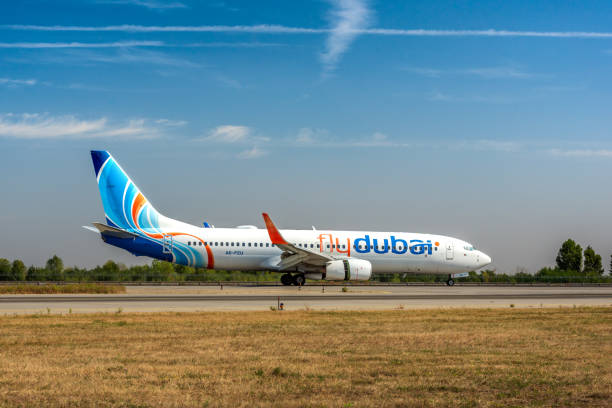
(348, 269)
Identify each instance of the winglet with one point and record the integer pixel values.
(275, 236)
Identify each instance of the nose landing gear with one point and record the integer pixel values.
(450, 281)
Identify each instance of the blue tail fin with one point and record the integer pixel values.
(148, 232)
(125, 206)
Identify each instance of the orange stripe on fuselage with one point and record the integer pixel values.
(211, 258)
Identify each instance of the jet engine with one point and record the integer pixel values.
(348, 269)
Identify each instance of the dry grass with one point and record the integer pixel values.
(424, 358)
(56, 289)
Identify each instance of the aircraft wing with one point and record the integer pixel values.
(292, 255)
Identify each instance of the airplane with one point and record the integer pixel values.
(133, 224)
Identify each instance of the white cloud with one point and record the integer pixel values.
(228, 82)
(491, 145)
(581, 152)
(42, 126)
(11, 83)
(116, 44)
(229, 44)
(233, 134)
(428, 72)
(321, 138)
(118, 56)
(309, 136)
(501, 72)
(348, 18)
(169, 122)
(253, 153)
(228, 134)
(150, 4)
(438, 96)
(45, 126)
(498, 72)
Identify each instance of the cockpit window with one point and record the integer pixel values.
(469, 248)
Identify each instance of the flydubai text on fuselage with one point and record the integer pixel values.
(134, 225)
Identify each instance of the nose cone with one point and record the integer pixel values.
(483, 260)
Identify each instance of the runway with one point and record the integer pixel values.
(185, 298)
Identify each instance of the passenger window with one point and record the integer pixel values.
(200, 243)
(318, 246)
(249, 244)
(267, 245)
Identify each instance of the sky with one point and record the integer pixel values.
(486, 121)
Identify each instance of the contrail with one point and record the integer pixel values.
(280, 29)
(119, 44)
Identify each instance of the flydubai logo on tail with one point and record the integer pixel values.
(366, 245)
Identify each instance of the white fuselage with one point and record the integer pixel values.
(388, 252)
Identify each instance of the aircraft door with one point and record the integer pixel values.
(450, 251)
(167, 243)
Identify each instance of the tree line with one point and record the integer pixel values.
(572, 265)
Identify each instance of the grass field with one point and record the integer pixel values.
(53, 289)
(426, 358)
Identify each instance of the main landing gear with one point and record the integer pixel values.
(450, 281)
(297, 280)
(286, 279)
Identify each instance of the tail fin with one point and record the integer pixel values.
(125, 206)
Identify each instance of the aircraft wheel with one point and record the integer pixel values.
(450, 282)
(299, 280)
(286, 279)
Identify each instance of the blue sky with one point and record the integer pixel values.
(489, 121)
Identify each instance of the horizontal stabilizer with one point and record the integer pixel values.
(110, 231)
